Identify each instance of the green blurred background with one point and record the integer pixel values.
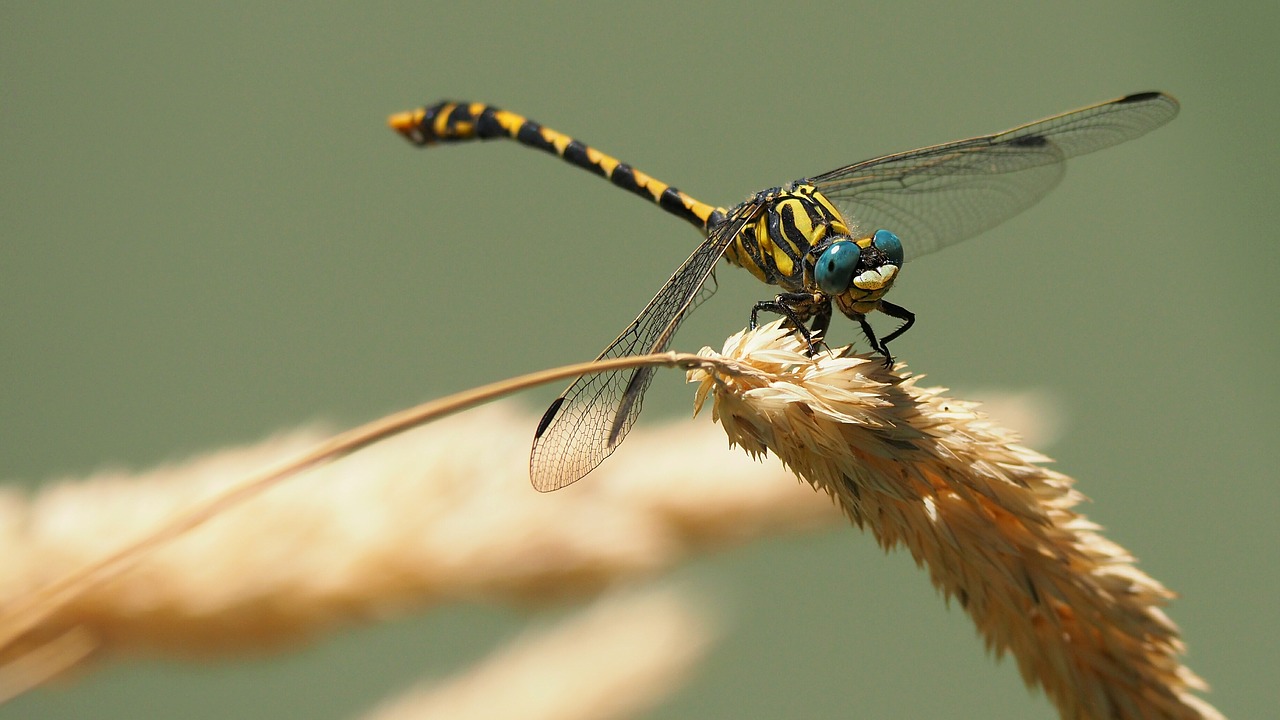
(208, 234)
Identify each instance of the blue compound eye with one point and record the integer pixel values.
(890, 245)
(835, 268)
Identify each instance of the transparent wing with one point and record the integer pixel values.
(940, 195)
(588, 421)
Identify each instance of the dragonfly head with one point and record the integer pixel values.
(863, 268)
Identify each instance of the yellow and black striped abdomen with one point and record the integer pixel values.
(446, 122)
(775, 246)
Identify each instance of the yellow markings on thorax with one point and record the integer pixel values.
(837, 224)
(775, 246)
(768, 244)
(740, 256)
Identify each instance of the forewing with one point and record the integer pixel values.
(939, 195)
(588, 421)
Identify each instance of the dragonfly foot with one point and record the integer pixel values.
(781, 306)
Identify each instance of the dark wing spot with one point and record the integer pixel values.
(548, 416)
(1138, 97)
(1030, 141)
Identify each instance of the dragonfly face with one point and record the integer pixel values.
(857, 272)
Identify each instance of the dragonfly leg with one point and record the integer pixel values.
(871, 338)
(796, 308)
(908, 319)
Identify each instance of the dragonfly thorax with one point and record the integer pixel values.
(777, 244)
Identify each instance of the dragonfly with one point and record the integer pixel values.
(838, 239)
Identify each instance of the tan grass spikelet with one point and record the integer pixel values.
(615, 659)
(994, 528)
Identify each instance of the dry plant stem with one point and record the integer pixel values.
(614, 660)
(45, 661)
(25, 613)
(993, 526)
